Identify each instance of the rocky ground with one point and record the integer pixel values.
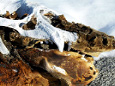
(106, 77)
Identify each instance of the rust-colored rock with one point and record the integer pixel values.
(20, 74)
(71, 68)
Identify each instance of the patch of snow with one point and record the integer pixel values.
(3, 48)
(107, 54)
(10, 5)
(95, 13)
(43, 29)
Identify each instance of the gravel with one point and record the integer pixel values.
(106, 77)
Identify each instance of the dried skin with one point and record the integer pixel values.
(77, 70)
(31, 24)
(13, 15)
(20, 74)
(89, 40)
(22, 41)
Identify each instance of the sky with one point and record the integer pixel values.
(98, 14)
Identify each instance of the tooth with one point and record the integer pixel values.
(84, 58)
(41, 42)
(60, 70)
(69, 46)
(46, 42)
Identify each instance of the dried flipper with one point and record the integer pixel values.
(20, 74)
(71, 68)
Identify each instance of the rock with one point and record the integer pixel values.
(71, 68)
(20, 74)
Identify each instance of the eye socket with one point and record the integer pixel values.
(105, 41)
(91, 68)
(94, 73)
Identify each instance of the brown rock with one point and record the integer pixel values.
(71, 68)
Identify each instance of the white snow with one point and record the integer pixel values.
(10, 5)
(108, 54)
(43, 29)
(3, 48)
(98, 14)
